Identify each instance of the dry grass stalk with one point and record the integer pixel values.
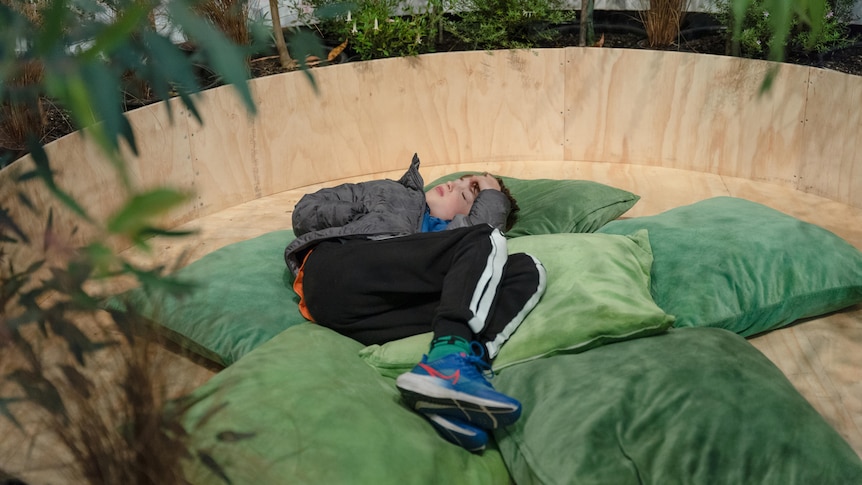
(662, 21)
(31, 9)
(229, 16)
(86, 397)
(104, 419)
(25, 116)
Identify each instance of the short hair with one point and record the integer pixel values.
(512, 216)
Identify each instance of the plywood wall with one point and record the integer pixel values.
(664, 109)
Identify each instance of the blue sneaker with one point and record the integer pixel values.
(462, 434)
(453, 387)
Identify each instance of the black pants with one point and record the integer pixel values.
(458, 282)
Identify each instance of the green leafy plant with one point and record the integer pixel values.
(85, 55)
(375, 28)
(494, 24)
(81, 384)
(762, 30)
(376, 33)
(834, 32)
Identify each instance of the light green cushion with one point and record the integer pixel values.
(554, 206)
(244, 298)
(691, 406)
(245, 295)
(597, 292)
(735, 264)
(312, 413)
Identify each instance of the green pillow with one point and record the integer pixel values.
(735, 264)
(693, 405)
(244, 298)
(304, 409)
(597, 292)
(555, 206)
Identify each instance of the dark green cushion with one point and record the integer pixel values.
(690, 406)
(311, 412)
(735, 264)
(555, 206)
(244, 298)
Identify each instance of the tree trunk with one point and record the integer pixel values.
(587, 36)
(280, 45)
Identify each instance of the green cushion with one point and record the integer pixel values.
(554, 206)
(244, 298)
(735, 264)
(597, 292)
(693, 405)
(304, 409)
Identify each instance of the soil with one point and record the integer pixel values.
(699, 34)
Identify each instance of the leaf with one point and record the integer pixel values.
(6, 222)
(600, 42)
(77, 380)
(117, 32)
(107, 112)
(768, 79)
(154, 231)
(5, 411)
(234, 436)
(304, 45)
(44, 172)
(814, 16)
(212, 411)
(102, 258)
(53, 21)
(206, 458)
(170, 63)
(153, 280)
(41, 392)
(737, 9)
(332, 10)
(136, 214)
(78, 342)
(225, 57)
(334, 53)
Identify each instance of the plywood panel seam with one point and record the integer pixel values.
(255, 161)
(805, 100)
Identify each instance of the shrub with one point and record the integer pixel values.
(493, 24)
(375, 28)
(756, 38)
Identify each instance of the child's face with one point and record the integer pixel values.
(456, 197)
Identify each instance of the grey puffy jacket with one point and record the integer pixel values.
(376, 210)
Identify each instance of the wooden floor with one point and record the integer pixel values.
(822, 357)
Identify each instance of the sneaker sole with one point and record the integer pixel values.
(423, 395)
(466, 438)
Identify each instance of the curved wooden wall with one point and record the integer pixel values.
(666, 109)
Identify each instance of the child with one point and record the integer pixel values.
(382, 260)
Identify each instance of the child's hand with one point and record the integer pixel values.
(486, 181)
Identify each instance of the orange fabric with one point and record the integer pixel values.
(297, 287)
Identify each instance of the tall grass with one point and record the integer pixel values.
(86, 396)
(101, 415)
(662, 21)
(22, 115)
(229, 16)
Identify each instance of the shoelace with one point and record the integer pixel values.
(476, 359)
